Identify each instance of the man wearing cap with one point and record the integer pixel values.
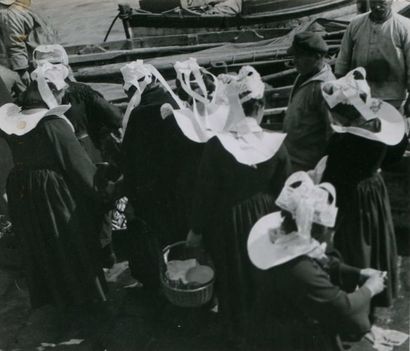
(379, 41)
(21, 30)
(307, 118)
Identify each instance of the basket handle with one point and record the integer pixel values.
(167, 249)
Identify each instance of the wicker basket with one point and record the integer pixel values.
(185, 297)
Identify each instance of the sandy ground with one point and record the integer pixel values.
(134, 321)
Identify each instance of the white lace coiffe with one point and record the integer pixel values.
(308, 203)
(222, 114)
(50, 53)
(215, 112)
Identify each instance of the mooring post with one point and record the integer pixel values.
(124, 11)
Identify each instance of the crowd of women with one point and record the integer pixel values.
(197, 164)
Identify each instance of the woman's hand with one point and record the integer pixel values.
(193, 239)
(375, 284)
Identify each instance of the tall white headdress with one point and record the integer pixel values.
(50, 73)
(268, 246)
(15, 121)
(308, 203)
(139, 75)
(222, 114)
(353, 89)
(54, 53)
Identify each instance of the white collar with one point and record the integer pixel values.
(19, 122)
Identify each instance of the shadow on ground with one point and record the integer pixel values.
(132, 320)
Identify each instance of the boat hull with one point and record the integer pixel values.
(151, 24)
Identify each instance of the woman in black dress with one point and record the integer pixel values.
(158, 163)
(52, 200)
(95, 120)
(303, 300)
(364, 230)
(231, 195)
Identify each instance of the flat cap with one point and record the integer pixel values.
(308, 41)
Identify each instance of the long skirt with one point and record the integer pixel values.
(365, 233)
(227, 243)
(59, 239)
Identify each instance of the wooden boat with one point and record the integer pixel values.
(220, 30)
(148, 47)
(269, 57)
(254, 14)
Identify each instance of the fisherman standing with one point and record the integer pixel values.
(379, 41)
(307, 117)
(21, 30)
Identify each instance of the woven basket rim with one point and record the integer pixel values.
(203, 287)
(164, 280)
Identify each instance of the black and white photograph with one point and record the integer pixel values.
(204, 175)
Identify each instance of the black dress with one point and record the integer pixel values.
(301, 305)
(230, 198)
(159, 165)
(51, 201)
(364, 228)
(94, 119)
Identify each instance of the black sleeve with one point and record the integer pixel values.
(346, 313)
(109, 115)
(343, 275)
